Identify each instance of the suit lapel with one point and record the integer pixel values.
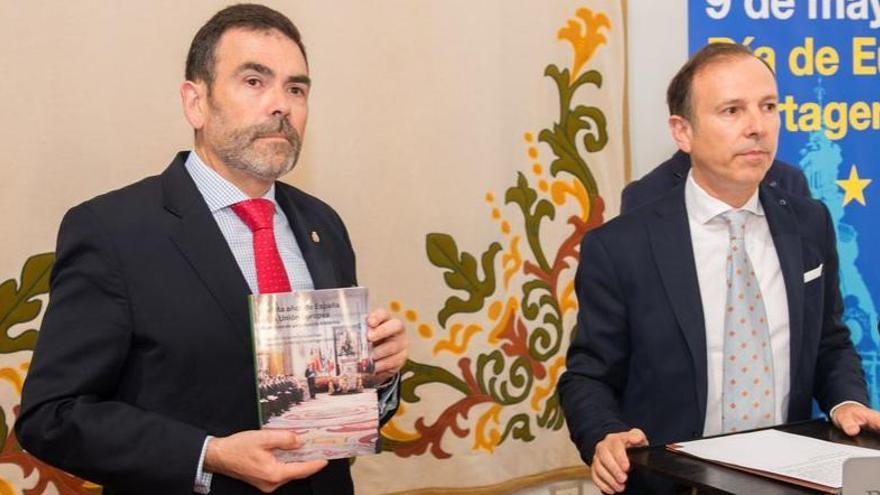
(671, 244)
(200, 241)
(306, 229)
(787, 241)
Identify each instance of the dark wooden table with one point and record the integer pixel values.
(707, 477)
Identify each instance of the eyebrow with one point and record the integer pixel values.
(740, 101)
(266, 71)
(732, 101)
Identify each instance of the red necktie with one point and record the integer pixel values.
(258, 215)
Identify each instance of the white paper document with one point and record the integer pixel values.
(777, 453)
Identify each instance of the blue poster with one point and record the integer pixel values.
(826, 57)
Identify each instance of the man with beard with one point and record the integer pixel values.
(143, 376)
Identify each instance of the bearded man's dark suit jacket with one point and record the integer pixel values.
(638, 358)
(145, 346)
(674, 171)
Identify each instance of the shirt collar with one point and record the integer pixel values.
(218, 192)
(703, 208)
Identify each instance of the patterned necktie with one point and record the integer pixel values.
(258, 214)
(747, 394)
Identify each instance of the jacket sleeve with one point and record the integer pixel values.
(839, 374)
(71, 414)
(598, 356)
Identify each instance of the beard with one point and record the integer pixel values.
(242, 149)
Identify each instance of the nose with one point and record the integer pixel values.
(756, 126)
(279, 102)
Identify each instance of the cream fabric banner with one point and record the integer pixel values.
(467, 145)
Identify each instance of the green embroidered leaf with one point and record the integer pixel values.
(533, 213)
(519, 426)
(561, 138)
(567, 159)
(462, 274)
(503, 389)
(421, 374)
(591, 76)
(552, 418)
(18, 303)
(544, 344)
(495, 359)
(531, 309)
(581, 120)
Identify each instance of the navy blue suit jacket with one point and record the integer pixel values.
(145, 346)
(674, 171)
(638, 358)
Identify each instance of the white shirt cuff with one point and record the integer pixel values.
(203, 478)
(831, 412)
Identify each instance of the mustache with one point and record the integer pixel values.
(274, 128)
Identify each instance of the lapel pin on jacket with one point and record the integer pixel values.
(315, 238)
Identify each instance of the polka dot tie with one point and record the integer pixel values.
(258, 215)
(747, 394)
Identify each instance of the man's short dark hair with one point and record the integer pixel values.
(678, 95)
(201, 58)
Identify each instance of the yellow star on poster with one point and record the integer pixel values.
(854, 187)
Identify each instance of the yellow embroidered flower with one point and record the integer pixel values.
(583, 32)
(487, 436)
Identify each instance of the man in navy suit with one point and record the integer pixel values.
(680, 298)
(143, 376)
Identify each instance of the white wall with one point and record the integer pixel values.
(657, 44)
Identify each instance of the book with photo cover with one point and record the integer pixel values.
(314, 373)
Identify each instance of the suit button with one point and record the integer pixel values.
(773, 183)
(783, 202)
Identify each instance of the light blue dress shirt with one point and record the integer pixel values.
(220, 195)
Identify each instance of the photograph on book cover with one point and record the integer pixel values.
(314, 372)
